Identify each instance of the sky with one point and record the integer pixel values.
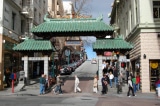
(98, 8)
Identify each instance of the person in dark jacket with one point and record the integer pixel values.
(115, 73)
(58, 88)
(42, 84)
(104, 84)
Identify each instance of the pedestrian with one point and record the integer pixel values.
(138, 82)
(7, 74)
(58, 88)
(115, 73)
(111, 76)
(127, 75)
(95, 84)
(157, 83)
(103, 64)
(42, 84)
(17, 75)
(105, 70)
(130, 87)
(76, 87)
(104, 84)
(134, 83)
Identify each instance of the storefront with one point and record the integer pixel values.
(11, 60)
(154, 70)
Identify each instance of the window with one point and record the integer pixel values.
(156, 9)
(13, 20)
(39, 18)
(22, 26)
(35, 13)
(23, 3)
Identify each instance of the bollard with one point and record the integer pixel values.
(12, 85)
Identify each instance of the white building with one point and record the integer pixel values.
(138, 22)
(17, 17)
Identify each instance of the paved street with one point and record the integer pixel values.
(30, 95)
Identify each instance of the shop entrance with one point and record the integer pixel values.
(154, 69)
(38, 68)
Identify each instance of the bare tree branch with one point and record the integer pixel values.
(81, 7)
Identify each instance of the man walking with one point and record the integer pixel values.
(58, 85)
(115, 73)
(104, 85)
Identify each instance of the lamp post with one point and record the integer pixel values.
(67, 53)
(53, 74)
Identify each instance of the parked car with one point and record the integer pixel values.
(72, 66)
(93, 61)
(65, 70)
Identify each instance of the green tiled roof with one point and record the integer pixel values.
(72, 25)
(34, 45)
(111, 44)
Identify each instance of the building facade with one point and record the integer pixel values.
(17, 18)
(138, 22)
(59, 9)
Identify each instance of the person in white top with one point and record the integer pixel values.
(130, 87)
(111, 76)
(76, 87)
(95, 84)
(103, 65)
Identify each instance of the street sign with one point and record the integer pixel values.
(67, 52)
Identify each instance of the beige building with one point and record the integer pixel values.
(55, 8)
(138, 22)
(17, 17)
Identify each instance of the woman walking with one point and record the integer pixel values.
(111, 76)
(130, 87)
(95, 83)
(76, 87)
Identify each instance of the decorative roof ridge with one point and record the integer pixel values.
(30, 39)
(119, 37)
(73, 19)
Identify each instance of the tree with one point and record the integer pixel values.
(88, 40)
(81, 8)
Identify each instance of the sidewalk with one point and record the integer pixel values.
(113, 92)
(29, 90)
(33, 90)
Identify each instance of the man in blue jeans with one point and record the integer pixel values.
(42, 84)
(115, 73)
(58, 85)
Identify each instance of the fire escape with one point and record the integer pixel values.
(27, 11)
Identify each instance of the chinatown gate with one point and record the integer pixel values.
(69, 27)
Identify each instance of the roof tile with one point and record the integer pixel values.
(110, 44)
(34, 45)
(72, 25)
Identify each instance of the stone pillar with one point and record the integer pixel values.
(26, 70)
(1, 44)
(46, 66)
(100, 74)
(2, 62)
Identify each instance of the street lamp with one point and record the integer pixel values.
(67, 53)
(117, 1)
